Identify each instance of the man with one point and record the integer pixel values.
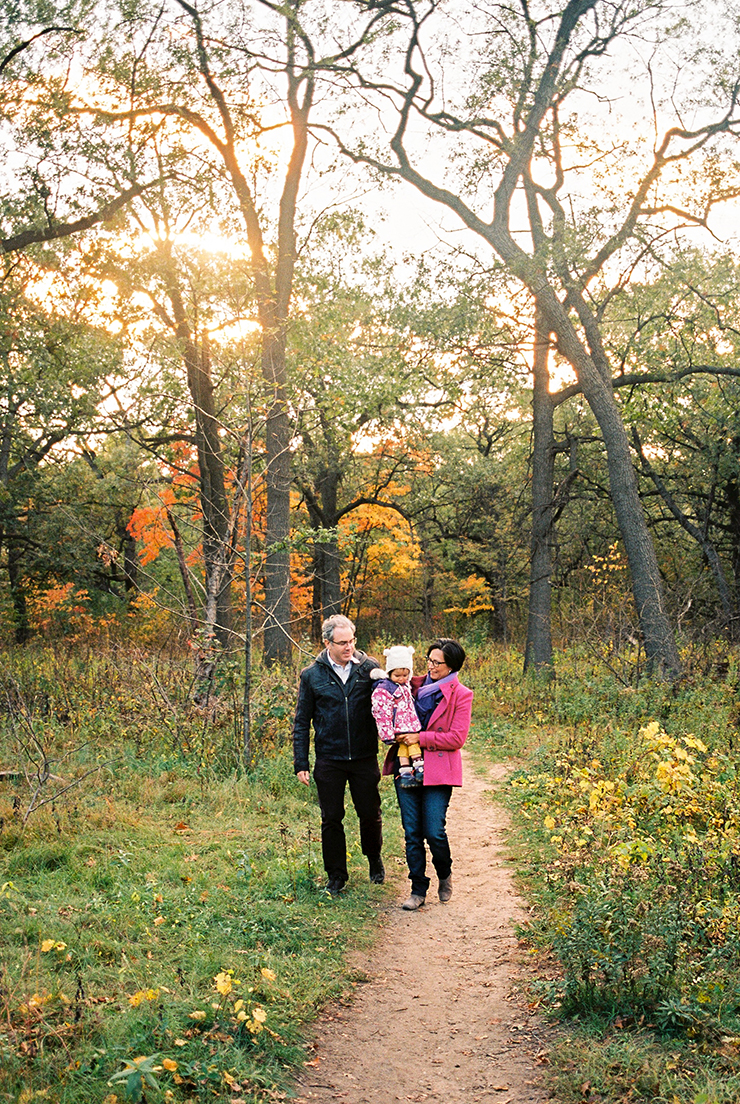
(334, 694)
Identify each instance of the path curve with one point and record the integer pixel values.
(475, 1041)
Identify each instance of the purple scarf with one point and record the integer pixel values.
(429, 695)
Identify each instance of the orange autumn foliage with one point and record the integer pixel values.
(149, 525)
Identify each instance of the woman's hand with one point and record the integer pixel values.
(407, 737)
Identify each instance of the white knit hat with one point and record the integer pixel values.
(399, 656)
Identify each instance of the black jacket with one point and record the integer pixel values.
(343, 724)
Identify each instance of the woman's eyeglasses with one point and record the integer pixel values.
(436, 663)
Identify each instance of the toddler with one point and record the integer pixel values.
(394, 712)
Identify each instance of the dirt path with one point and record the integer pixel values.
(469, 1036)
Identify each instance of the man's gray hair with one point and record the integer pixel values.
(336, 621)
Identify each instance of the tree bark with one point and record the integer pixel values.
(22, 629)
(538, 655)
(277, 640)
(322, 502)
(647, 586)
(217, 551)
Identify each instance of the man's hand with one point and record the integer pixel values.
(303, 776)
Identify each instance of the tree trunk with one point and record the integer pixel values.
(184, 573)
(732, 491)
(22, 630)
(316, 594)
(331, 594)
(539, 95)
(247, 749)
(427, 593)
(647, 586)
(217, 552)
(538, 656)
(277, 641)
(321, 497)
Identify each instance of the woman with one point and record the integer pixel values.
(443, 705)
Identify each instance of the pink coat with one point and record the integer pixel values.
(393, 712)
(448, 730)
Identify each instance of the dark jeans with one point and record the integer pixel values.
(363, 776)
(423, 815)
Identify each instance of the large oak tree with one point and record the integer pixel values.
(567, 204)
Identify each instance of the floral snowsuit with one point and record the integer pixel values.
(393, 709)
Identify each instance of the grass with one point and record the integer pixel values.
(164, 934)
(627, 840)
(163, 931)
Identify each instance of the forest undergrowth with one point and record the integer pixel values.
(164, 934)
(627, 842)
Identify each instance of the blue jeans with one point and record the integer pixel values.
(423, 815)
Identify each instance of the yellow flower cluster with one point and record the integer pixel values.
(254, 1018)
(641, 850)
(668, 795)
(143, 995)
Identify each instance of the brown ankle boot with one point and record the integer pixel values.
(413, 902)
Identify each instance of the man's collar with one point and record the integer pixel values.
(353, 659)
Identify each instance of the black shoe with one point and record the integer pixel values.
(377, 871)
(334, 886)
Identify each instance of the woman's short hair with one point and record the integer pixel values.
(452, 650)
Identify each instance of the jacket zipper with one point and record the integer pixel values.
(344, 686)
(346, 718)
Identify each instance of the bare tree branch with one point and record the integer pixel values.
(34, 38)
(58, 230)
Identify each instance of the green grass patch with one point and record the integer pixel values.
(164, 933)
(627, 835)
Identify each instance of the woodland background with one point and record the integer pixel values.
(233, 403)
(423, 312)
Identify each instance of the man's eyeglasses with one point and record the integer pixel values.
(344, 643)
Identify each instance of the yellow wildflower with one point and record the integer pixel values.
(224, 984)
